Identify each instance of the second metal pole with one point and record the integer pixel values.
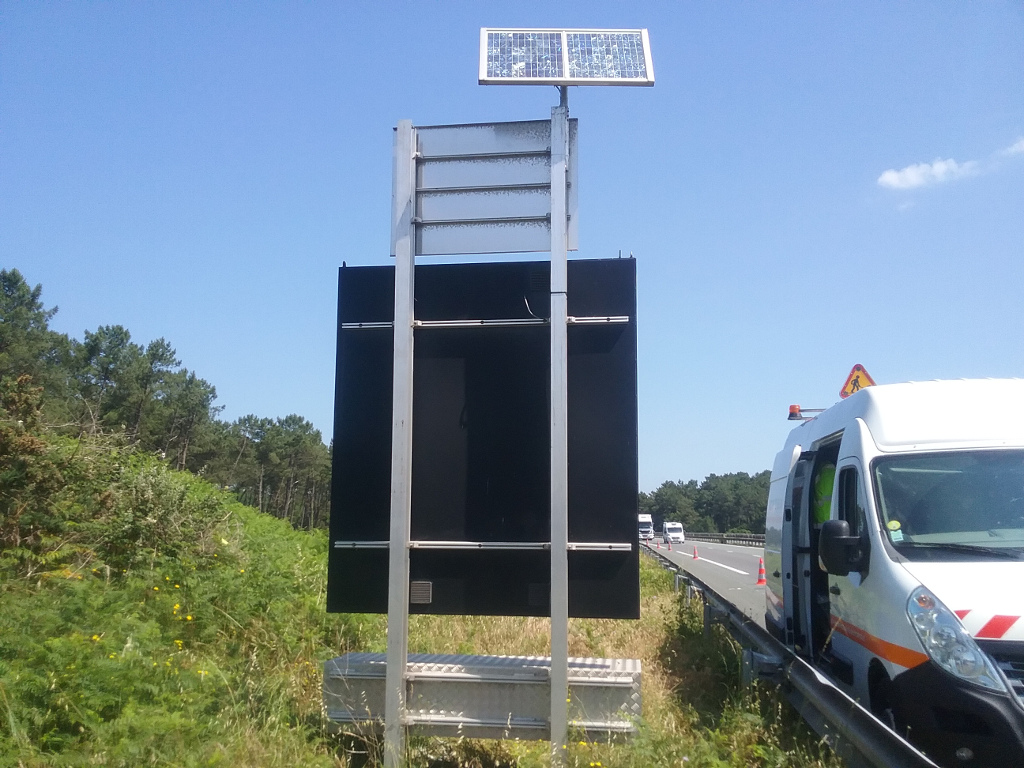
(404, 204)
(559, 436)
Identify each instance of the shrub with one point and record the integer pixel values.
(29, 475)
(157, 514)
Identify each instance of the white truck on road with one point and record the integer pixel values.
(894, 550)
(646, 527)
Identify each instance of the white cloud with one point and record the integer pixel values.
(1015, 149)
(923, 174)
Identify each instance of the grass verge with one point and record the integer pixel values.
(146, 618)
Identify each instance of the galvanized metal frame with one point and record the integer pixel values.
(559, 434)
(516, 226)
(404, 227)
(403, 208)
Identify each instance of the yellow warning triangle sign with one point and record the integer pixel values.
(857, 380)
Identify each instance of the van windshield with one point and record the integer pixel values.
(957, 505)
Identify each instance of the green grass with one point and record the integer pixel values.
(695, 711)
(146, 618)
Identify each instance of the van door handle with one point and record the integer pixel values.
(834, 590)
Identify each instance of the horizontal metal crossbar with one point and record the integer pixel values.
(361, 544)
(499, 323)
(482, 220)
(484, 188)
(471, 722)
(585, 546)
(421, 158)
(593, 546)
(597, 320)
(474, 323)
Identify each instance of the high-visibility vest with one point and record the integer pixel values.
(823, 485)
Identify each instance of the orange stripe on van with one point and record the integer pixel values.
(897, 654)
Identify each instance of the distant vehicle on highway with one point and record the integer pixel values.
(673, 533)
(646, 527)
(894, 550)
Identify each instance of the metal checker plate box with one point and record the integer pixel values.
(485, 696)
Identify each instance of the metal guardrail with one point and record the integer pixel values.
(743, 539)
(856, 735)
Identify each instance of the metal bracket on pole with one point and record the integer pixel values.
(559, 435)
(403, 210)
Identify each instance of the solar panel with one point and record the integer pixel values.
(565, 57)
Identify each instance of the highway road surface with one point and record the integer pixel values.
(729, 569)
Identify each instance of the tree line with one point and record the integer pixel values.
(732, 503)
(140, 394)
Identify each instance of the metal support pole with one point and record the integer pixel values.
(559, 436)
(403, 210)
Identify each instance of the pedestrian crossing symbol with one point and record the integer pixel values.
(856, 381)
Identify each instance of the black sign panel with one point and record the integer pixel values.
(481, 439)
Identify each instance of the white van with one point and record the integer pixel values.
(915, 606)
(673, 533)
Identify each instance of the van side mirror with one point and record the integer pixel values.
(839, 551)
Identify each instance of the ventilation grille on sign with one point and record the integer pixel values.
(421, 592)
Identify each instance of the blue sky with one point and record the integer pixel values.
(807, 186)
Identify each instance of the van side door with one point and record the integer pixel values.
(795, 553)
(850, 598)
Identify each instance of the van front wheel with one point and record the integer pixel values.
(880, 693)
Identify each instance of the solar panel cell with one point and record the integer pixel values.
(565, 57)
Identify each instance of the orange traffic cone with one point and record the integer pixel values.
(669, 545)
(695, 553)
(658, 543)
(760, 573)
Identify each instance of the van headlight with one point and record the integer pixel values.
(948, 644)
